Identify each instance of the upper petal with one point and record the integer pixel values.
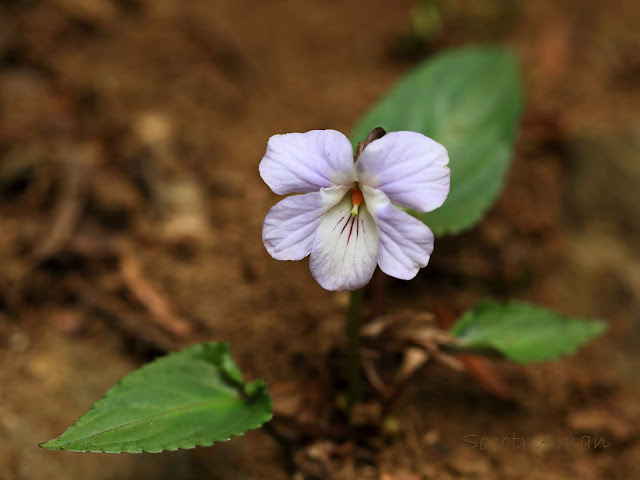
(405, 243)
(408, 167)
(345, 251)
(289, 228)
(307, 162)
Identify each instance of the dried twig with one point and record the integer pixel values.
(375, 380)
(155, 302)
(477, 366)
(124, 317)
(77, 171)
(485, 375)
(419, 339)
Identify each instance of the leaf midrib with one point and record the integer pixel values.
(145, 419)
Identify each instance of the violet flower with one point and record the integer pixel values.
(346, 217)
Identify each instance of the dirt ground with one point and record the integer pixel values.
(131, 210)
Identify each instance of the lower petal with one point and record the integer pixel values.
(405, 243)
(345, 251)
(289, 228)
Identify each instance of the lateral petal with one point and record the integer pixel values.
(405, 243)
(289, 228)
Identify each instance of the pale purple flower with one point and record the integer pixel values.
(346, 217)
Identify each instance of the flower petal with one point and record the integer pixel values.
(405, 243)
(307, 162)
(409, 168)
(289, 228)
(345, 252)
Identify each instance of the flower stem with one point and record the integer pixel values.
(353, 348)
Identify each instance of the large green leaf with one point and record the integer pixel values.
(523, 332)
(469, 100)
(191, 398)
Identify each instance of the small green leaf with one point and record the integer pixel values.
(469, 100)
(191, 398)
(523, 332)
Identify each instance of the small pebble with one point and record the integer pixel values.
(19, 342)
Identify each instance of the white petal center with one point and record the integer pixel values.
(345, 252)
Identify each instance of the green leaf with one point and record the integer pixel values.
(191, 398)
(469, 100)
(523, 332)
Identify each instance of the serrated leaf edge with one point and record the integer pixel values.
(261, 390)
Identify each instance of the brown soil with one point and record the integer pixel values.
(131, 212)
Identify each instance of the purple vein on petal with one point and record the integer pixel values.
(345, 225)
(338, 222)
(353, 219)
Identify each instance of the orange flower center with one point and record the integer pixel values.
(356, 196)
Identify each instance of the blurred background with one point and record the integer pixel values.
(131, 211)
